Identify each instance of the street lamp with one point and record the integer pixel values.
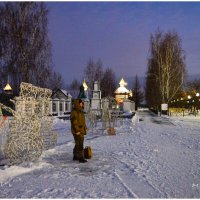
(197, 103)
(189, 97)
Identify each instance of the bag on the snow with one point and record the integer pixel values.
(88, 152)
(111, 131)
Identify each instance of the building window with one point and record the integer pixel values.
(54, 107)
(61, 107)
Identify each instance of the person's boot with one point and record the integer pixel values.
(82, 160)
(75, 158)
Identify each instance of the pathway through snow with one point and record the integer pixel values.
(150, 157)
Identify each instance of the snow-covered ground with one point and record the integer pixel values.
(150, 157)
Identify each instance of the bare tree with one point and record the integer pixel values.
(56, 80)
(166, 67)
(194, 86)
(74, 88)
(25, 50)
(93, 72)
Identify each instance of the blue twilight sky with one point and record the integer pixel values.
(118, 33)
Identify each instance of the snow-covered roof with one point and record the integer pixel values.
(66, 93)
(122, 89)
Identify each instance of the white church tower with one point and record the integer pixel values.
(96, 97)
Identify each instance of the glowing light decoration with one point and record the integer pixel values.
(30, 131)
(7, 87)
(122, 93)
(122, 83)
(85, 85)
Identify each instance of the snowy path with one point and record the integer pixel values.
(150, 157)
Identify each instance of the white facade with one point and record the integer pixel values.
(96, 103)
(61, 103)
(122, 93)
(128, 105)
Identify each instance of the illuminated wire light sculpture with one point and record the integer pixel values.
(31, 129)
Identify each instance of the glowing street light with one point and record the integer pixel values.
(189, 97)
(197, 94)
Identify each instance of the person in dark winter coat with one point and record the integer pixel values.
(79, 129)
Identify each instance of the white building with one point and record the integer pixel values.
(61, 103)
(122, 93)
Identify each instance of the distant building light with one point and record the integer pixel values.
(8, 87)
(85, 85)
(122, 83)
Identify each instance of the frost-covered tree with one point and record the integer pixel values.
(25, 49)
(166, 68)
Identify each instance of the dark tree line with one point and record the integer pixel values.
(108, 84)
(138, 94)
(94, 72)
(193, 86)
(25, 55)
(25, 50)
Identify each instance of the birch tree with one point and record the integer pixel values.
(166, 65)
(25, 50)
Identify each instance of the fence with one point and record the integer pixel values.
(183, 112)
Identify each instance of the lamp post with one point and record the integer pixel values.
(197, 101)
(188, 101)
